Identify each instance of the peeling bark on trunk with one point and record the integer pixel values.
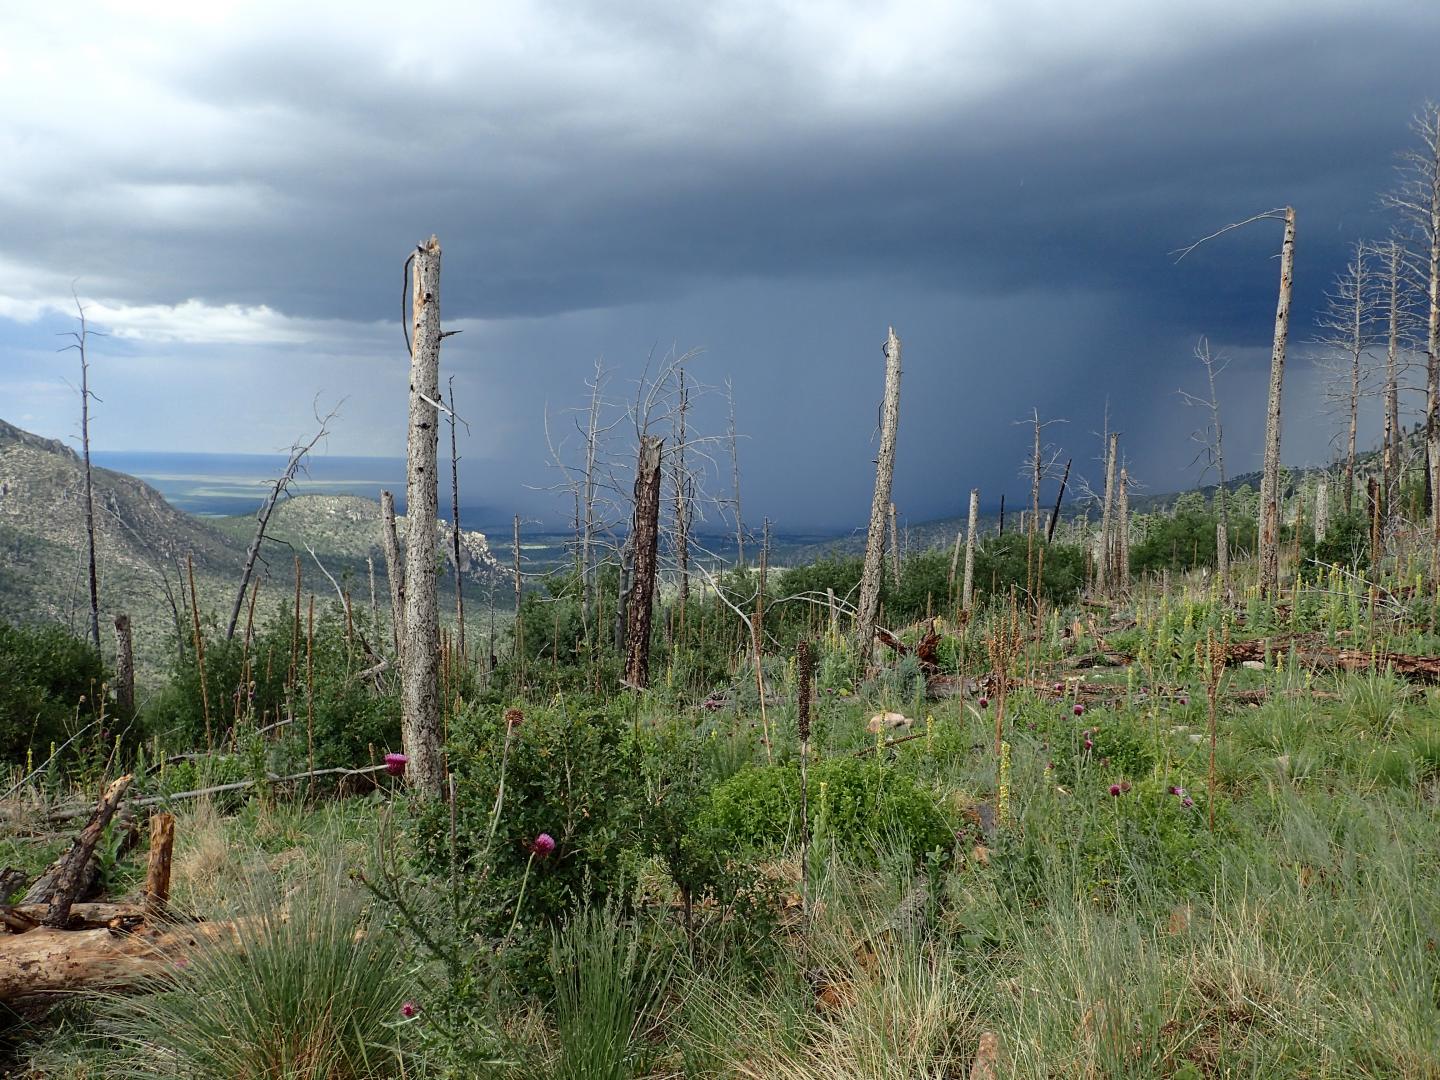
(420, 657)
(869, 601)
(1270, 476)
(645, 534)
(1322, 510)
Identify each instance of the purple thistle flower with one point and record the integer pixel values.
(1059, 687)
(1184, 700)
(409, 1009)
(1079, 709)
(1187, 802)
(984, 703)
(542, 845)
(1089, 744)
(395, 764)
(1114, 789)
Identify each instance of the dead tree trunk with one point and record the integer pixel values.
(894, 547)
(157, 874)
(682, 504)
(1122, 532)
(1393, 257)
(1107, 525)
(1059, 498)
(420, 656)
(645, 534)
(82, 338)
(869, 602)
(1322, 510)
(455, 526)
(967, 586)
(394, 570)
(124, 667)
(70, 868)
(1270, 476)
(735, 480)
(262, 520)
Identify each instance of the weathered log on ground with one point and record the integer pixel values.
(48, 961)
(74, 875)
(21, 918)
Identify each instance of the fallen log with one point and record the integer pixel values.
(48, 961)
(23, 918)
(74, 875)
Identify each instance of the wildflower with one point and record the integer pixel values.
(1089, 744)
(513, 718)
(1059, 687)
(1178, 792)
(395, 764)
(1124, 785)
(542, 845)
(1187, 802)
(409, 1009)
(1184, 700)
(1115, 789)
(1079, 709)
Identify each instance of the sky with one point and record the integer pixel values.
(232, 189)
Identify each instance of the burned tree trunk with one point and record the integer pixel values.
(1122, 532)
(869, 602)
(70, 869)
(1059, 498)
(124, 667)
(645, 537)
(420, 656)
(1270, 476)
(394, 569)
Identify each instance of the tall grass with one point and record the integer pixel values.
(312, 991)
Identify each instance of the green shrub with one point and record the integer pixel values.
(759, 807)
(569, 771)
(49, 690)
(349, 715)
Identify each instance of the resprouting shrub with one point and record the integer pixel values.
(50, 686)
(349, 714)
(857, 799)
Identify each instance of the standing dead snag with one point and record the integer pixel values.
(869, 602)
(1212, 443)
(967, 588)
(1347, 332)
(455, 525)
(1103, 564)
(394, 569)
(82, 338)
(1417, 198)
(262, 517)
(157, 874)
(124, 667)
(1270, 477)
(420, 657)
(645, 539)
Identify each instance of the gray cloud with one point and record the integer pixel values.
(772, 184)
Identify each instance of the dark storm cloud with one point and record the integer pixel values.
(705, 189)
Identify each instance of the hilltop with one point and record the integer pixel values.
(145, 549)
